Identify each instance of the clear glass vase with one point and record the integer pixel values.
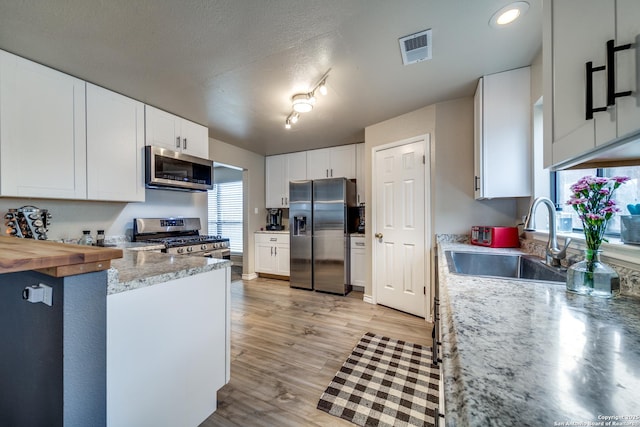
(593, 277)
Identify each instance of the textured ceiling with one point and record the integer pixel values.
(233, 65)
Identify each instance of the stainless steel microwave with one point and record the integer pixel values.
(171, 170)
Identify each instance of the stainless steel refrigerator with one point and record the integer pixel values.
(321, 220)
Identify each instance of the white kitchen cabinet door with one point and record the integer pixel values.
(282, 255)
(318, 163)
(358, 264)
(162, 129)
(627, 31)
(195, 139)
(265, 261)
(115, 141)
(275, 172)
(573, 45)
(343, 162)
(334, 162)
(175, 133)
(360, 174)
(296, 167)
(279, 170)
(42, 131)
(502, 135)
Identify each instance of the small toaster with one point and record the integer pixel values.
(495, 237)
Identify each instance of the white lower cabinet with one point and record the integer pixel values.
(358, 258)
(272, 253)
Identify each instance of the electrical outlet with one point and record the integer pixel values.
(38, 293)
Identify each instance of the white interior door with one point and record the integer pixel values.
(399, 227)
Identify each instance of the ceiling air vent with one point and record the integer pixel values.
(416, 47)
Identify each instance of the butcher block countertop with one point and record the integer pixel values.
(53, 258)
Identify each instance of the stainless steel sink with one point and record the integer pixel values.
(521, 267)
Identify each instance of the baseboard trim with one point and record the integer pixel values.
(249, 276)
(273, 276)
(368, 298)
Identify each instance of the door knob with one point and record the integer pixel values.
(378, 235)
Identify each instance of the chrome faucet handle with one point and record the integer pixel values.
(555, 255)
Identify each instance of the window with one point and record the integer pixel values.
(628, 193)
(225, 213)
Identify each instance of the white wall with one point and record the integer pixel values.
(253, 189)
(70, 217)
(453, 207)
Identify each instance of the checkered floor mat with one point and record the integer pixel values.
(384, 382)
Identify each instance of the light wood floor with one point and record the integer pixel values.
(286, 346)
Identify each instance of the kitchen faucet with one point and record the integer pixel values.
(554, 253)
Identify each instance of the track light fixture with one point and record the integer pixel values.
(304, 102)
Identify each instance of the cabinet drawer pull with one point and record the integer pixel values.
(273, 239)
(590, 109)
(184, 143)
(359, 244)
(271, 250)
(476, 183)
(177, 142)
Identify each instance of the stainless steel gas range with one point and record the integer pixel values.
(180, 236)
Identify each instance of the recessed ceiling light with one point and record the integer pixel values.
(508, 14)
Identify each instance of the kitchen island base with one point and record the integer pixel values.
(168, 351)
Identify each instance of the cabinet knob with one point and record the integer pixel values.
(378, 235)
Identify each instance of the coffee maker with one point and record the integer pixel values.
(360, 228)
(274, 220)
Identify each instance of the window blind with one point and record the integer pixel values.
(225, 213)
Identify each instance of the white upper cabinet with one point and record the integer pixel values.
(581, 115)
(502, 147)
(175, 133)
(334, 162)
(279, 171)
(42, 131)
(275, 181)
(115, 141)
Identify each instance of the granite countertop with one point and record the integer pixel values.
(140, 268)
(530, 354)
